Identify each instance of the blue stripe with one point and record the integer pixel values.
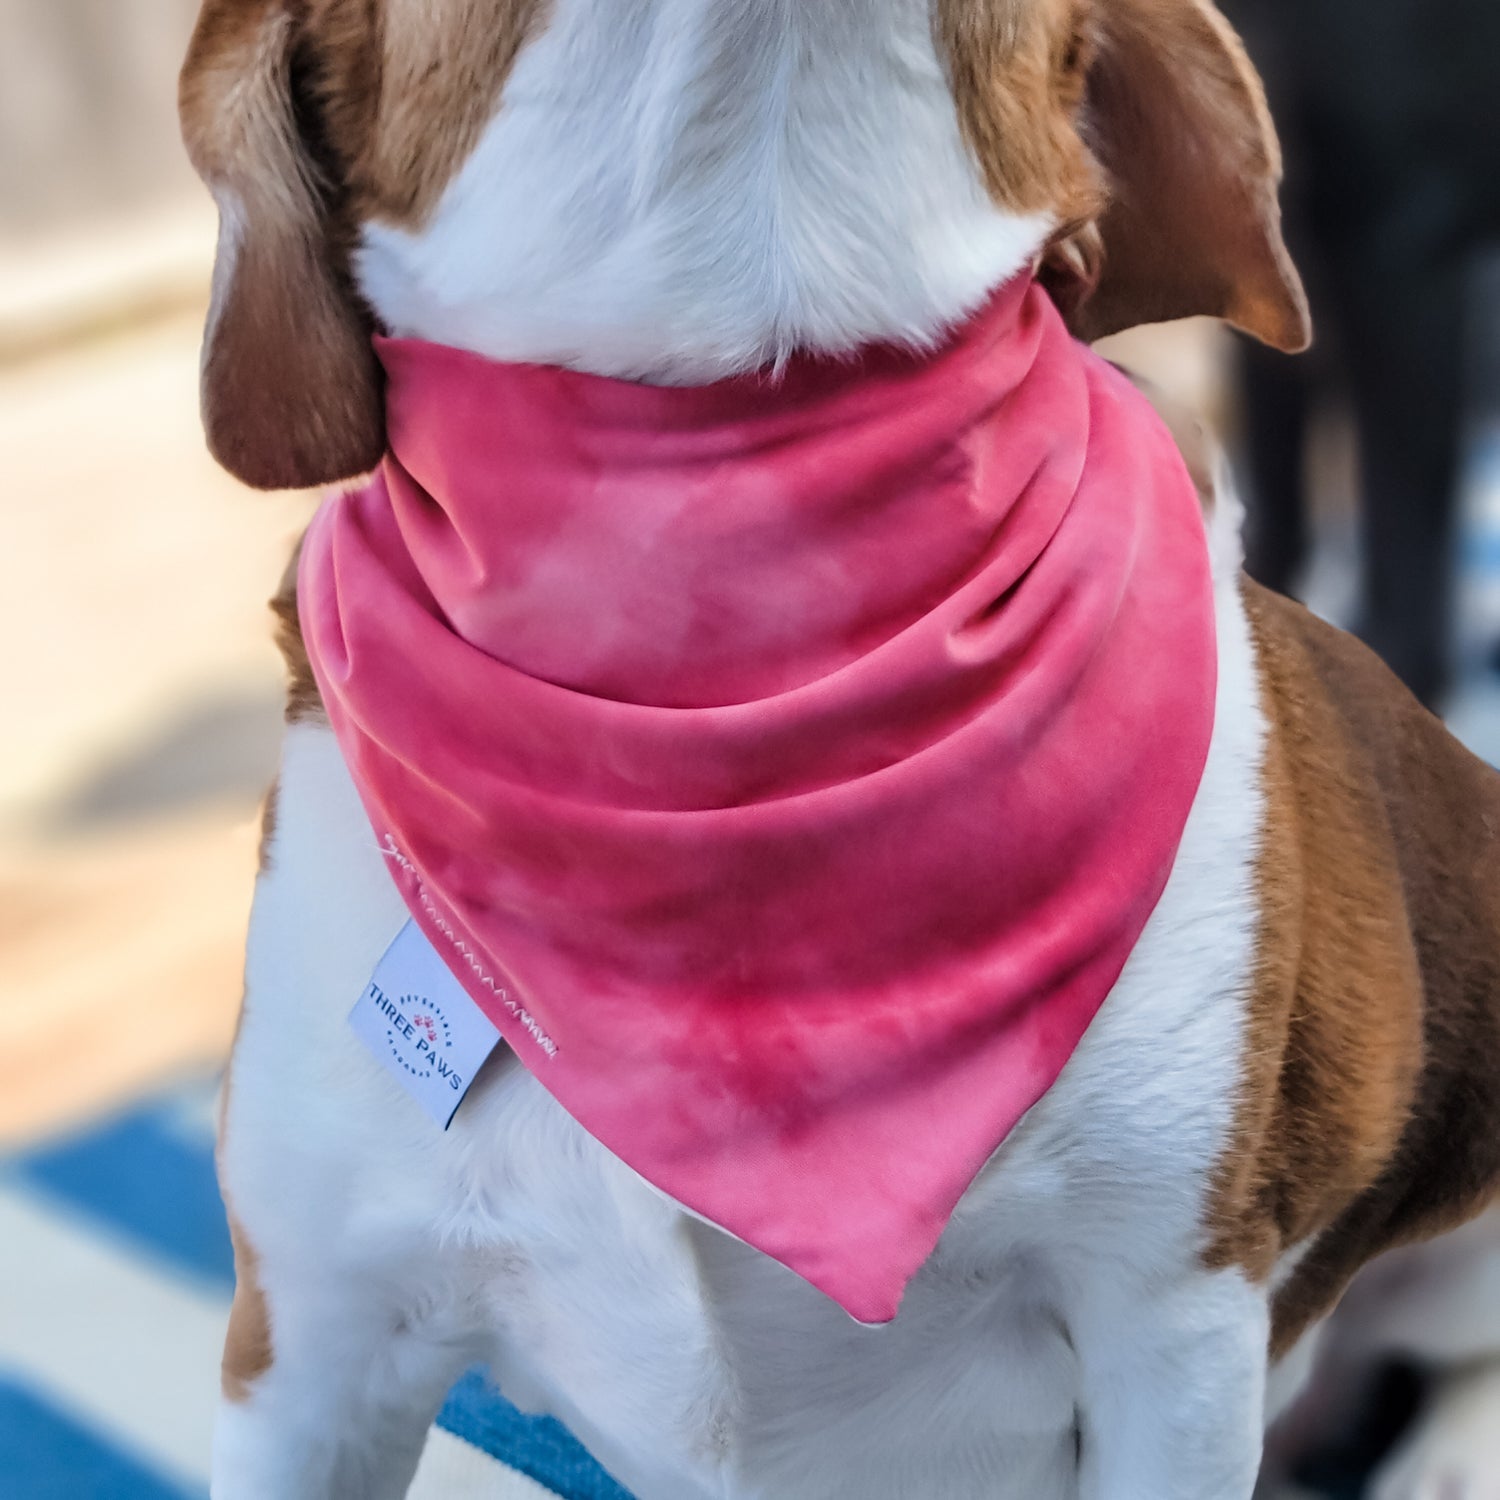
(539, 1447)
(50, 1456)
(1481, 552)
(145, 1179)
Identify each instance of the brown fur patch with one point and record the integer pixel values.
(248, 1348)
(308, 118)
(303, 700)
(1370, 1115)
(292, 392)
(1178, 118)
(1143, 127)
(269, 813)
(1017, 69)
(407, 88)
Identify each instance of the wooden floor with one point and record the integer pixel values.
(119, 962)
(141, 714)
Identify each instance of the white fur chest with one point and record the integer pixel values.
(690, 1364)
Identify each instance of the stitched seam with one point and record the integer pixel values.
(514, 1007)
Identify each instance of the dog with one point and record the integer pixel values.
(611, 205)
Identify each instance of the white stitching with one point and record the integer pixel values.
(519, 1011)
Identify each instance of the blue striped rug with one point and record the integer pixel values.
(115, 1283)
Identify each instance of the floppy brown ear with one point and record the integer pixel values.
(1177, 117)
(292, 391)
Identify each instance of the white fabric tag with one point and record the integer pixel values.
(421, 1023)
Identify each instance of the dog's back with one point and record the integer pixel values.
(1377, 998)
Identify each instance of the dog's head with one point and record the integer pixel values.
(1135, 131)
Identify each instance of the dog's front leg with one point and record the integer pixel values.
(335, 1404)
(354, 1311)
(1174, 1390)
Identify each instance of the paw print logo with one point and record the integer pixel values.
(422, 1038)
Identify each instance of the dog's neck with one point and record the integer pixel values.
(676, 190)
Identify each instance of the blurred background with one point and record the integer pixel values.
(142, 706)
(143, 692)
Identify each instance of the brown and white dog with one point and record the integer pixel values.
(1296, 1071)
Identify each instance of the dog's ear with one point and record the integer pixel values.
(292, 392)
(1176, 115)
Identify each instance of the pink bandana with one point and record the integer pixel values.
(788, 765)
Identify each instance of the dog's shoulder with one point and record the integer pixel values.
(1372, 1108)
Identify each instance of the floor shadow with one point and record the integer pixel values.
(221, 751)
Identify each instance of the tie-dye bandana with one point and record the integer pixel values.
(787, 766)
